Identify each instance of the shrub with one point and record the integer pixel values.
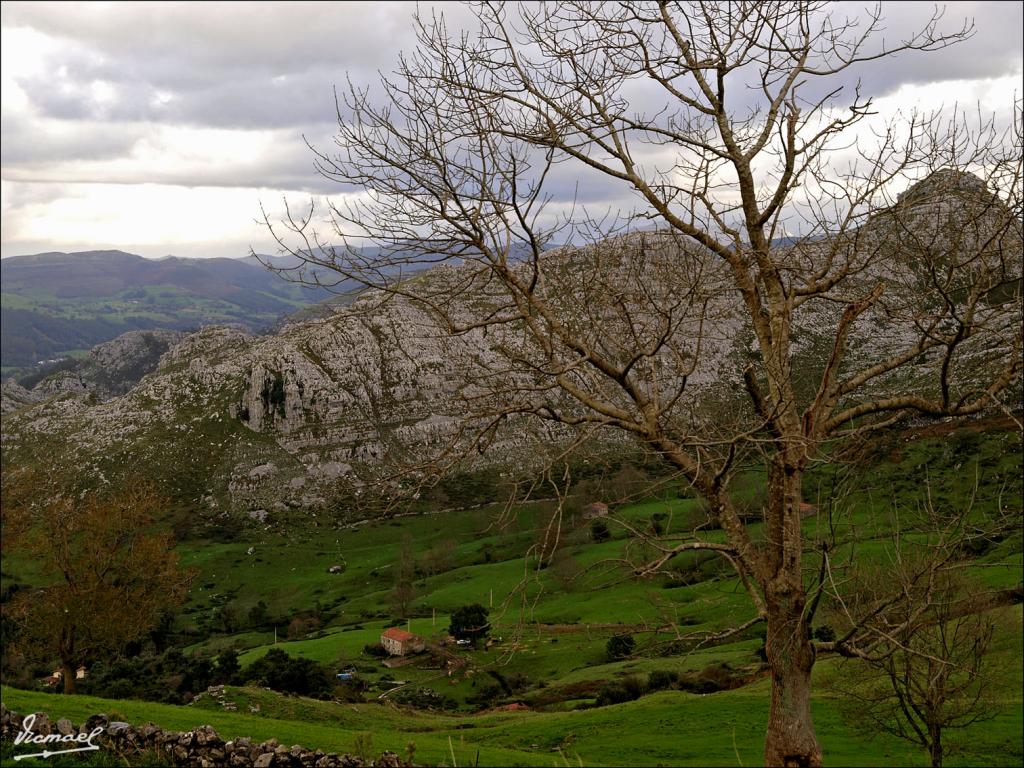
(423, 698)
(599, 531)
(662, 679)
(824, 633)
(620, 647)
(634, 685)
(171, 678)
(375, 649)
(301, 626)
(518, 682)
(674, 648)
(281, 672)
(227, 665)
(502, 682)
(719, 677)
(628, 688)
(259, 616)
(486, 696)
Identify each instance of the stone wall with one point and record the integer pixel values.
(201, 748)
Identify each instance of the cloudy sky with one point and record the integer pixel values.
(159, 129)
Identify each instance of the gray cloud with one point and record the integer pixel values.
(26, 145)
(233, 65)
(245, 102)
(119, 72)
(289, 166)
(262, 65)
(993, 50)
(214, 39)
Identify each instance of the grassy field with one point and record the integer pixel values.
(551, 626)
(667, 728)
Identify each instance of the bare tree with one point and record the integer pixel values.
(403, 594)
(767, 294)
(937, 679)
(919, 631)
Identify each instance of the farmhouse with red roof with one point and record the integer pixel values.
(398, 642)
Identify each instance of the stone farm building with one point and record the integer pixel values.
(398, 642)
(595, 509)
(53, 680)
(807, 510)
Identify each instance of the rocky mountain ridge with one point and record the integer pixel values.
(259, 429)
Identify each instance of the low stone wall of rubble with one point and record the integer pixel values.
(201, 748)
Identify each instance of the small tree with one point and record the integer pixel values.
(228, 665)
(941, 679)
(599, 531)
(259, 617)
(226, 619)
(439, 558)
(565, 569)
(470, 623)
(113, 577)
(626, 482)
(281, 672)
(404, 592)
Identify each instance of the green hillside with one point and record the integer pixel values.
(551, 626)
(58, 304)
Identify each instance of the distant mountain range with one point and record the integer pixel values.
(59, 304)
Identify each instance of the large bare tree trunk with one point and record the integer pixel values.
(790, 738)
(936, 745)
(68, 676)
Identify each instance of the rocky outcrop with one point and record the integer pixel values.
(262, 425)
(116, 366)
(14, 396)
(199, 748)
(71, 382)
(946, 185)
(110, 369)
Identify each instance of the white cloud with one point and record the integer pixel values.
(153, 216)
(152, 220)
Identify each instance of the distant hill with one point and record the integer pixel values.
(56, 304)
